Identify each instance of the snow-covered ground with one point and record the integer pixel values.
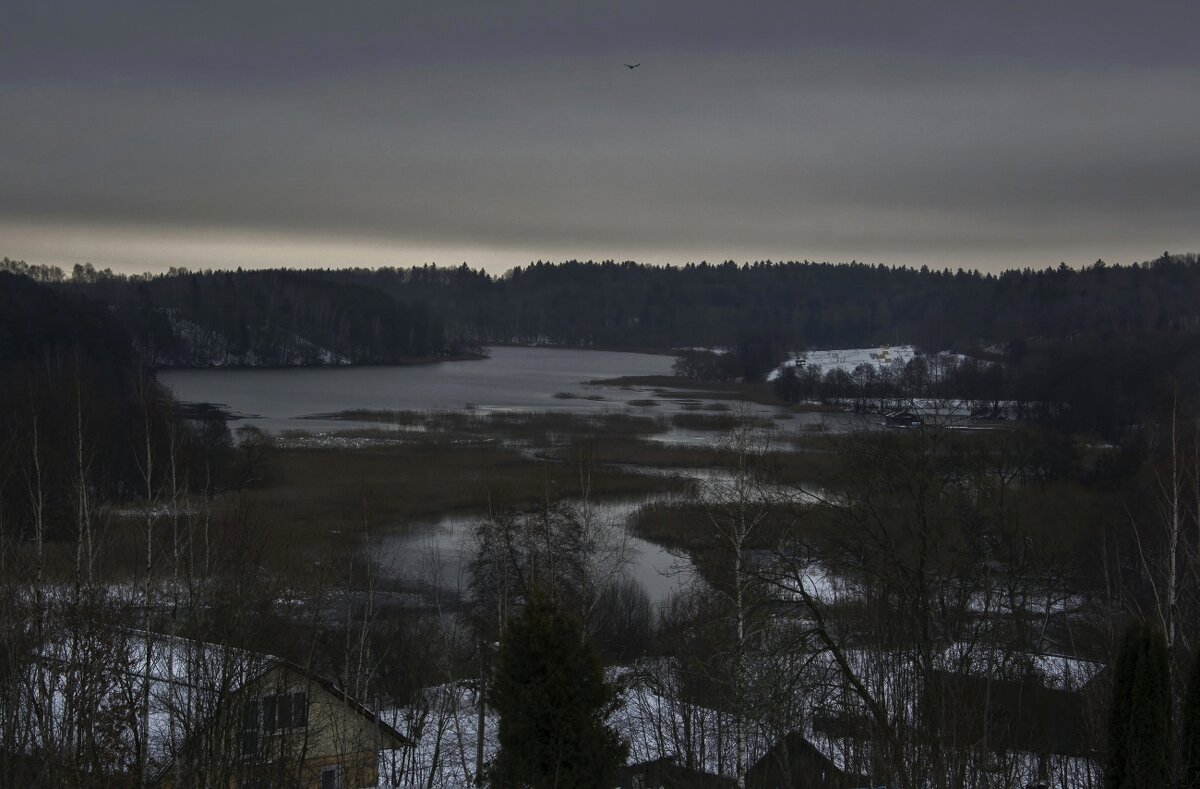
(445, 733)
(205, 347)
(654, 716)
(849, 358)
(820, 584)
(1058, 672)
(658, 721)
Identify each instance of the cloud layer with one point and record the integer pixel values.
(403, 133)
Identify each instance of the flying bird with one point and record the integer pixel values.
(635, 65)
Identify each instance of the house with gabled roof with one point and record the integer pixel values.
(286, 726)
(205, 715)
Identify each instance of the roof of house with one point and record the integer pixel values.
(668, 773)
(798, 755)
(332, 688)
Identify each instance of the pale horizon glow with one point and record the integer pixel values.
(134, 250)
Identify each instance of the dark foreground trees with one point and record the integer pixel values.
(553, 702)
(1190, 728)
(1139, 747)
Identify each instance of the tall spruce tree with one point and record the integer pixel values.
(1139, 745)
(1190, 749)
(550, 694)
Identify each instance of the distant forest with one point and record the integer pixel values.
(389, 315)
(76, 399)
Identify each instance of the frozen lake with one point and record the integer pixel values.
(515, 379)
(512, 378)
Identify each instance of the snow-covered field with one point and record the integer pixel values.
(849, 358)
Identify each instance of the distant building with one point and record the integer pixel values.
(795, 762)
(903, 419)
(667, 773)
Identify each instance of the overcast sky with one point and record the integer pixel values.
(991, 135)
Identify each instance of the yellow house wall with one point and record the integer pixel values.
(336, 734)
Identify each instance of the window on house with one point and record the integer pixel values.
(251, 719)
(331, 777)
(270, 714)
(284, 711)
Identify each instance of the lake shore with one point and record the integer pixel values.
(402, 361)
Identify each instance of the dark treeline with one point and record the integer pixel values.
(1096, 349)
(384, 315)
(266, 318)
(76, 404)
(797, 304)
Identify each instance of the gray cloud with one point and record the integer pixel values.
(896, 132)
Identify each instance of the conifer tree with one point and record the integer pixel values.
(1124, 674)
(550, 694)
(1190, 751)
(1138, 755)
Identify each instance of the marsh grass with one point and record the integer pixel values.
(574, 396)
(688, 526)
(634, 451)
(815, 466)
(321, 489)
(669, 387)
(519, 426)
(413, 465)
